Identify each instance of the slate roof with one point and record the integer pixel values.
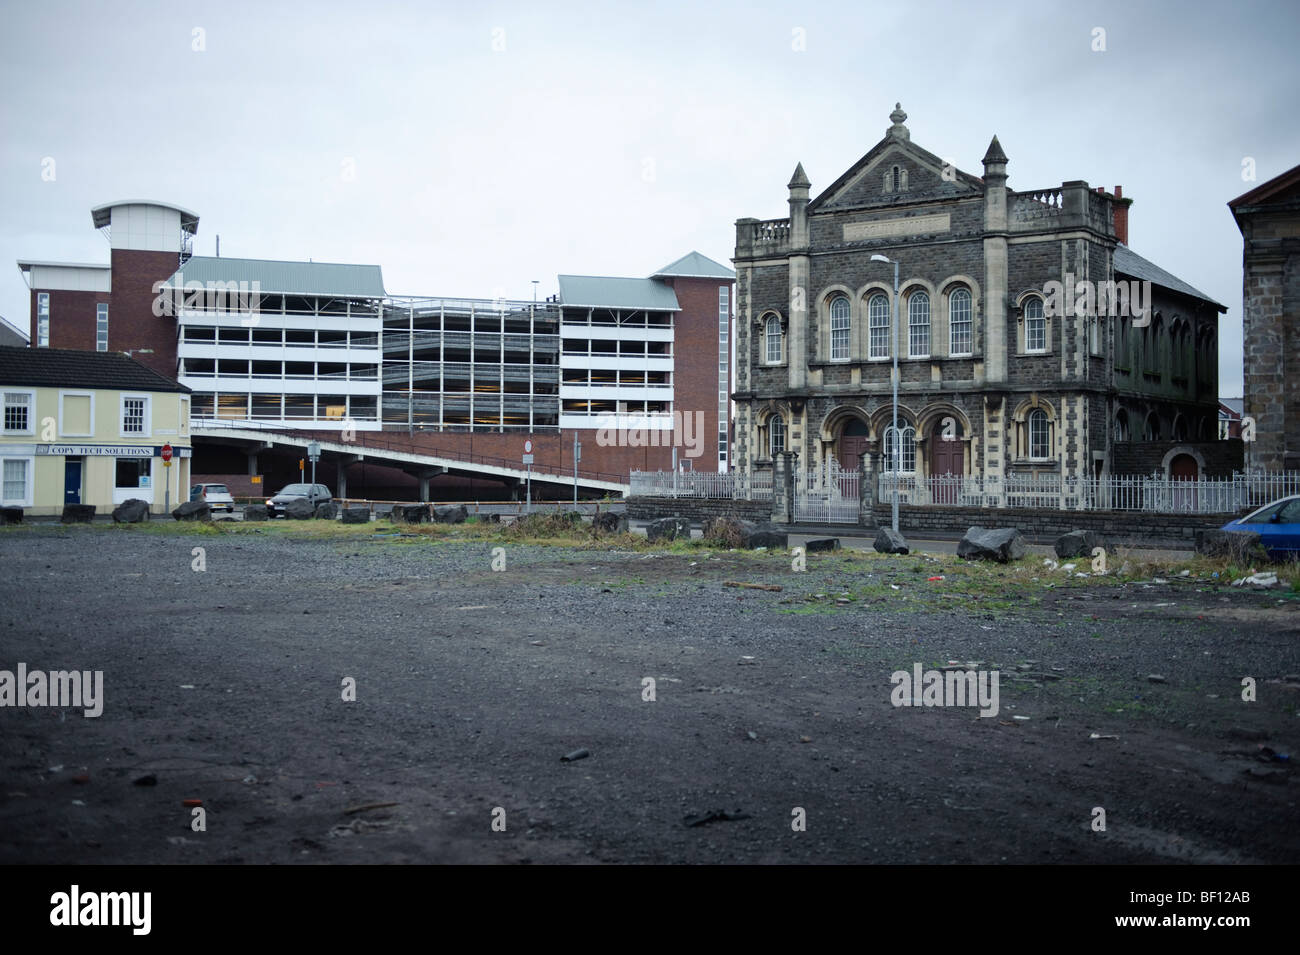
(1132, 264)
(291, 278)
(693, 265)
(598, 291)
(67, 368)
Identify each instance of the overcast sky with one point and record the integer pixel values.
(470, 150)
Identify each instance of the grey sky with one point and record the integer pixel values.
(497, 144)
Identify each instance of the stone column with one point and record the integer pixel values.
(866, 491)
(783, 469)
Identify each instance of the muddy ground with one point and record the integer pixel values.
(225, 685)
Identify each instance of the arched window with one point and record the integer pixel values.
(1121, 426)
(897, 179)
(773, 340)
(775, 435)
(1152, 428)
(918, 325)
(907, 461)
(1121, 342)
(1180, 428)
(840, 329)
(1035, 326)
(878, 311)
(959, 322)
(1040, 430)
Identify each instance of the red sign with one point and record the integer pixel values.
(167, 452)
(528, 447)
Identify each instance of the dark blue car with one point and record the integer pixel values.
(1278, 527)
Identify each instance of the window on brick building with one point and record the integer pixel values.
(42, 319)
(906, 450)
(918, 325)
(959, 322)
(878, 324)
(1040, 431)
(775, 435)
(101, 327)
(840, 329)
(773, 340)
(1035, 326)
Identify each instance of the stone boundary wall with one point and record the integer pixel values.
(1115, 527)
(698, 509)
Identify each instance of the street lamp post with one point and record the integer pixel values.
(897, 449)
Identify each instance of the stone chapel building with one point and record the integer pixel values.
(992, 356)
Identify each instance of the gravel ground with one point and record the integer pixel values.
(226, 686)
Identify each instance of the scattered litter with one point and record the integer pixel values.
(752, 735)
(714, 815)
(351, 810)
(895, 587)
(931, 579)
(805, 739)
(1156, 678)
(1184, 573)
(735, 583)
(191, 803)
(77, 802)
(56, 769)
(1068, 566)
(1257, 580)
(536, 643)
(187, 686)
(1268, 755)
(149, 779)
(475, 607)
(1102, 736)
(574, 756)
(1020, 717)
(249, 780)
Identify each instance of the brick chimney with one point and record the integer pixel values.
(1120, 206)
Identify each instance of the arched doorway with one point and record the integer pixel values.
(1183, 473)
(947, 459)
(852, 444)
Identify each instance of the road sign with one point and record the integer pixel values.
(313, 451)
(528, 459)
(528, 447)
(167, 454)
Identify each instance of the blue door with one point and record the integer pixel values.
(72, 481)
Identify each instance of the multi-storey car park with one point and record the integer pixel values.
(403, 393)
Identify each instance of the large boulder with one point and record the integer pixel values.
(192, 511)
(255, 512)
(1076, 543)
(383, 511)
(819, 544)
(450, 514)
(768, 535)
(411, 513)
(327, 511)
(131, 511)
(986, 543)
(77, 514)
(890, 541)
(1234, 545)
(300, 509)
(668, 529)
(11, 515)
(356, 514)
(727, 531)
(609, 522)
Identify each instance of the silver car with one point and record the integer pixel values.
(216, 496)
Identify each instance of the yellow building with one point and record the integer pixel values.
(89, 428)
